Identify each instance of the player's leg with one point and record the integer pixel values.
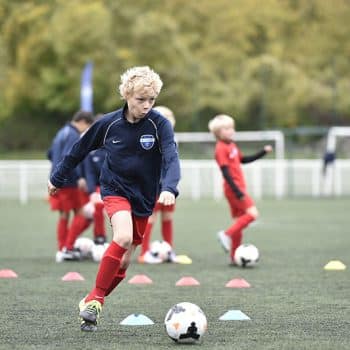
(121, 274)
(167, 225)
(76, 200)
(119, 211)
(139, 228)
(62, 229)
(145, 255)
(148, 232)
(98, 217)
(57, 204)
(235, 232)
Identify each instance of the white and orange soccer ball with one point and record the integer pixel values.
(246, 255)
(186, 323)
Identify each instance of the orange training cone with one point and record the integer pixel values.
(73, 276)
(140, 279)
(8, 274)
(238, 283)
(187, 281)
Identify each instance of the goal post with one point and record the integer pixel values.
(329, 170)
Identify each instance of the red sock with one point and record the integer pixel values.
(78, 225)
(110, 263)
(62, 229)
(236, 242)
(167, 231)
(116, 280)
(242, 222)
(146, 238)
(99, 221)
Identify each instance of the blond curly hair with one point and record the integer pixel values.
(220, 121)
(138, 79)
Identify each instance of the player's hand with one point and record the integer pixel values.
(82, 184)
(51, 188)
(95, 197)
(268, 148)
(166, 198)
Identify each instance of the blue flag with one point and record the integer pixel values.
(86, 91)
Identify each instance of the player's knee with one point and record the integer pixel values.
(167, 216)
(253, 211)
(123, 241)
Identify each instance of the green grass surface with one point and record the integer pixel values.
(293, 303)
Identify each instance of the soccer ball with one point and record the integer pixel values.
(186, 323)
(98, 250)
(246, 255)
(161, 250)
(85, 246)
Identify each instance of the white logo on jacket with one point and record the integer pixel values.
(147, 141)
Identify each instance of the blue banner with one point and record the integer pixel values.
(86, 90)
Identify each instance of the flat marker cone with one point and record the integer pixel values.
(136, 320)
(73, 276)
(183, 259)
(234, 315)
(335, 265)
(8, 274)
(140, 279)
(237, 283)
(187, 281)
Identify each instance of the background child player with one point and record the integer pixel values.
(166, 214)
(229, 158)
(70, 198)
(141, 164)
(94, 209)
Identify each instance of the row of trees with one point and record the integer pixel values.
(271, 64)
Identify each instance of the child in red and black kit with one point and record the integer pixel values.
(229, 158)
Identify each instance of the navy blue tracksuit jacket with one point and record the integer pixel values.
(141, 158)
(91, 168)
(63, 141)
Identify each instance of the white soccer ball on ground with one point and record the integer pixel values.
(186, 323)
(85, 245)
(162, 250)
(246, 255)
(98, 250)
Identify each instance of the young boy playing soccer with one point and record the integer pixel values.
(141, 164)
(166, 214)
(229, 158)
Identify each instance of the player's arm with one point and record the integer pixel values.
(260, 154)
(170, 165)
(227, 176)
(91, 140)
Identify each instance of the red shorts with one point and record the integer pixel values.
(114, 204)
(67, 199)
(162, 207)
(238, 206)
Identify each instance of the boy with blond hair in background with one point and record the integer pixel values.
(166, 214)
(229, 158)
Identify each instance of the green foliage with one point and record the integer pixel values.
(273, 64)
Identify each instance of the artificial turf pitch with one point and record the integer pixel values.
(293, 302)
